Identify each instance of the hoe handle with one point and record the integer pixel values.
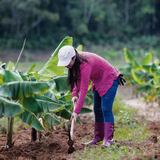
(72, 128)
(72, 125)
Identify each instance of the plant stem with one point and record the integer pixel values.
(20, 54)
(33, 135)
(9, 143)
(10, 132)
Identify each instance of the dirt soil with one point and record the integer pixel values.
(53, 145)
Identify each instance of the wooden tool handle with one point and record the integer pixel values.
(72, 128)
(72, 125)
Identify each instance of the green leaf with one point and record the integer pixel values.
(136, 77)
(147, 68)
(48, 105)
(32, 68)
(31, 119)
(32, 105)
(66, 98)
(16, 90)
(85, 110)
(9, 108)
(61, 84)
(1, 79)
(10, 66)
(64, 114)
(50, 68)
(147, 59)
(80, 47)
(51, 120)
(38, 105)
(10, 76)
(128, 56)
(47, 97)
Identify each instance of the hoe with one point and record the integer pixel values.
(70, 142)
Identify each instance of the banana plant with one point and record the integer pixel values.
(17, 97)
(38, 98)
(144, 73)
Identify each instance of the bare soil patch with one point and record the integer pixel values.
(53, 145)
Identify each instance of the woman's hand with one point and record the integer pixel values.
(74, 116)
(74, 99)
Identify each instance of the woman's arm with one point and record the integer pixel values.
(84, 83)
(75, 91)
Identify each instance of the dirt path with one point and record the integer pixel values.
(149, 112)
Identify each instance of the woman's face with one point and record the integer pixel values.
(71, 62)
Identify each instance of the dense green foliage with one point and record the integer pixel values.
(44, 22)
(144, 74)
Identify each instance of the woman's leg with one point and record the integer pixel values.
(99, 125)
(107, 104)
(97, 108)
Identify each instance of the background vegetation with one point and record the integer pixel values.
(100, 22)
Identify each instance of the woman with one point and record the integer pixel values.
(85, 67)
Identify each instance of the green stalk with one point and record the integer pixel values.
(9, 143)
(16, 65)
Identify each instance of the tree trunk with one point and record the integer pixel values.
(33, 135)
(9, 143)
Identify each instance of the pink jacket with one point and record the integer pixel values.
(100, 72)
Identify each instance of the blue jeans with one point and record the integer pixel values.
(103, 105)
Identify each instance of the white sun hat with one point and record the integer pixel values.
(65, 54)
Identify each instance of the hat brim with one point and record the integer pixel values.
(63, 63)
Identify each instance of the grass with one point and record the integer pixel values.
(112, 153)
(127, 129)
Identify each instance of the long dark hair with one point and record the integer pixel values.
(74, 72)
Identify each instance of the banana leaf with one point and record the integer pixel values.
(85, 110)
(128, 56)
(10, 66)
(50, 120)
(147, 59)
(136, 77)
(9, 108)
(61, 84)
(66, 114)
(51, 69)
(10, 76)
(16, 90)
(31, 119)
(41, 104)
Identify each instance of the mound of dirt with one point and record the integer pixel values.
(53, 145)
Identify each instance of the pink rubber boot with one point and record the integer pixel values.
(108, 134)
(98, 133)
